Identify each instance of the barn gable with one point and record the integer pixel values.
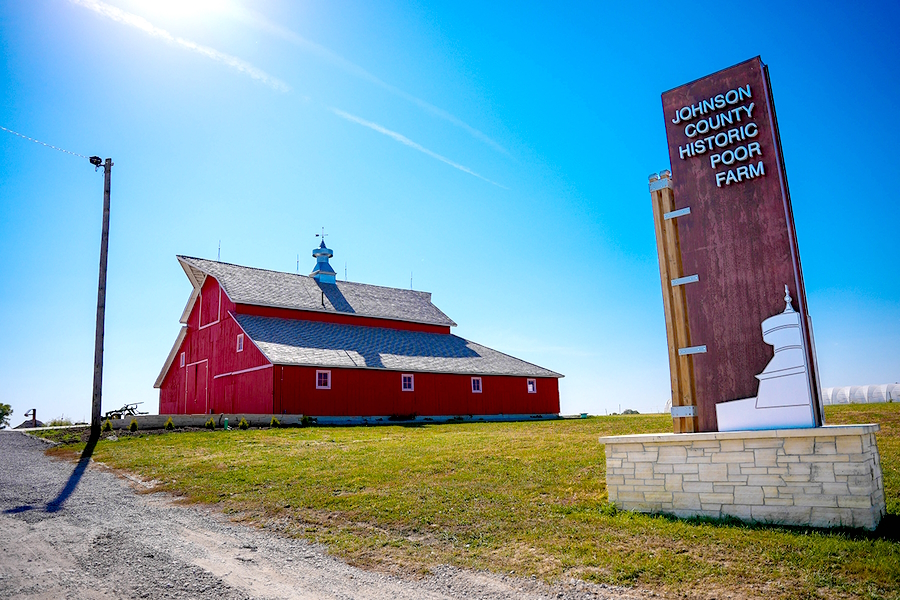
(171, 357)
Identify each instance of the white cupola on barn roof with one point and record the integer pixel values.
(323, 273)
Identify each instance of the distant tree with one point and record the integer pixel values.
(5, 412)
(629, 411)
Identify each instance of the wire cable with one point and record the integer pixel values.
(43, 143)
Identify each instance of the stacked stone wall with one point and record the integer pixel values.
(822, 477)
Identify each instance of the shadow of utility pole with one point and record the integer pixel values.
(71, 485)
(75, 478)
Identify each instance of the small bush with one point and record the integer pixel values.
(133, 426)
(210, 424)
(107, 426)
(60, 421)
(169, 426)
(609, 509)
(306, 421)
(275, 423)
(243, 424)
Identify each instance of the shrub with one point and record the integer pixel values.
(133, 426)
(107, 426)
(275, 423)
(60, 421)
(306, 421)
(169, 426)
(609, 509)
(243, 424)
(210, 424)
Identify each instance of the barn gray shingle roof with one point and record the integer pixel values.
(330, 345)
(246, 285)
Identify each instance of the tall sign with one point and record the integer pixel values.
(735, 232)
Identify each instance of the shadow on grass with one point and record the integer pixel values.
(71, 484)
(888, 530)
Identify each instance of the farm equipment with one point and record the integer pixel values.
(129, 410)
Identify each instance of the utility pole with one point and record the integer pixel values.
(101, 298)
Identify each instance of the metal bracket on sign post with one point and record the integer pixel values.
(684, 411)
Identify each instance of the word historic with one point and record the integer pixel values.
(723, 127)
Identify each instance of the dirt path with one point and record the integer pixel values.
(65, 536)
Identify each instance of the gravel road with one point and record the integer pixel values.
(79, 531)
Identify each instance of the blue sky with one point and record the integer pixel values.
(497, 153)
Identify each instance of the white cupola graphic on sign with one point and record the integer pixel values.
(323, 273)
(784, 399)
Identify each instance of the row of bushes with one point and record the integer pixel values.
(210, 424)
(133, 426)
(243, 424)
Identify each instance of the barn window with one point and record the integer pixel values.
(323, 380)
(182, 359)
(407, 383)
(476, 385)
(532, 386)
(240, 342)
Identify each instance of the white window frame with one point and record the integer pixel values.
(240, 342)
(412, 382)
(327, 374)
(532, 386)
(480, 387)
(182, 360)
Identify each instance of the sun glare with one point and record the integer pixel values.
(183, 9)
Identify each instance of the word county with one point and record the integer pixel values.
(718, 123)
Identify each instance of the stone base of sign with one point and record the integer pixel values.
(821, 477)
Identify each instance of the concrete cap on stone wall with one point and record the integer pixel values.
(826, 430)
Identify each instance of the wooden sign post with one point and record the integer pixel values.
(681, 368)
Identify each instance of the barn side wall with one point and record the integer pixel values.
(216, 377)
(172, 387)
(369, 392)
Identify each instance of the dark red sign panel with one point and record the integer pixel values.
(739, 236)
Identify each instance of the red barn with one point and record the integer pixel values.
(265, 342)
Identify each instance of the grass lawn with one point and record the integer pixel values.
(521, 498)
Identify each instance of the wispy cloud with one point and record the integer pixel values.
(259, 21)
(132, 20)
(408, 142)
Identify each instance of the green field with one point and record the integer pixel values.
(520, 498)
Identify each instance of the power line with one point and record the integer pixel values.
(43, 143)
(96, 400)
